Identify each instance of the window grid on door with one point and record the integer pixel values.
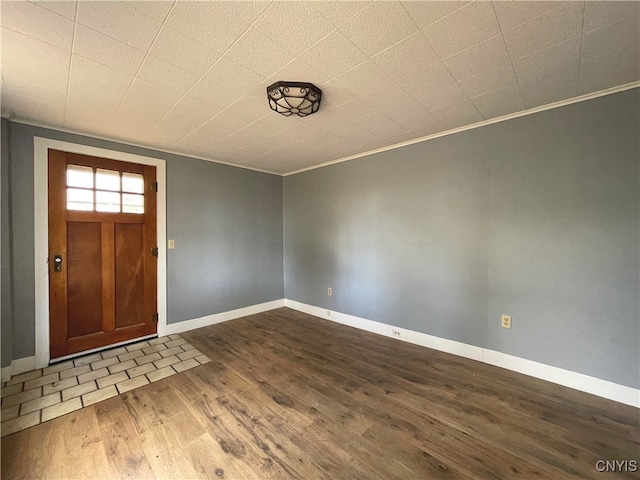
(97, 189)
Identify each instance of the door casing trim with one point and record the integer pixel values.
(41, 231)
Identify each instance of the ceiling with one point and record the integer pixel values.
(191, 77)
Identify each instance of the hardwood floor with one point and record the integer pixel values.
(288, 395)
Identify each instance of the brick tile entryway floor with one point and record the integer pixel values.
(35, 397)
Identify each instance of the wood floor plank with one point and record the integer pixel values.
(290, 396)
(251, 406)
(376, 411)
(524, 448)
(120, 432)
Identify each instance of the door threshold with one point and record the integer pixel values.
(100, 349)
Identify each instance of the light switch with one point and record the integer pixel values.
(172, 244)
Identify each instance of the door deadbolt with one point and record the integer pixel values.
(57, 263)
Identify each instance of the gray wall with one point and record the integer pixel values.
(226, 221)
(227, 224)
(6, 312)
(537, 217)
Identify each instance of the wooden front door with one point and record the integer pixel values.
(102, 252)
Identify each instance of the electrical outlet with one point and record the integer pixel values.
(396, 333)
(329, 291)
(506, 321)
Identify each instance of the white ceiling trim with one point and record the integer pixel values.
(504, 118)
(524, 113)
(130, 144)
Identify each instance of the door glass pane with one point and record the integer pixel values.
(107, 201)
(132, 203)
(107, 180)
(132, 182)
(79, 199)
(78, 176)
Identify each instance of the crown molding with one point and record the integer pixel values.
(31, 123)
(504, 118)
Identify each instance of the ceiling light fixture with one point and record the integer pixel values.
(294, 98)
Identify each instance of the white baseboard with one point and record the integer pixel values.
(410, 336)
(17, 367)
(222, 317)
(567, 378)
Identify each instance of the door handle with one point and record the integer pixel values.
(57, 263)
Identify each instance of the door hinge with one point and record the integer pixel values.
(154, 318)
(154, 185)
(154, 251)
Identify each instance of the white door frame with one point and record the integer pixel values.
(41, 231)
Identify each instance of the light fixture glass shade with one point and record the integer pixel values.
(294, 98)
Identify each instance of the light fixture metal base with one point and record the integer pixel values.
(294, 98)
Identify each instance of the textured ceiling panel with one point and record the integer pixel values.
(106, 50)
(191, 77)
(38, 23)
(542, 32)
(378, 26)
(471, 24)
(121, 21)
(105, 86)
(308, 28)
(34, 70)
(178, 49)
(63, 7)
